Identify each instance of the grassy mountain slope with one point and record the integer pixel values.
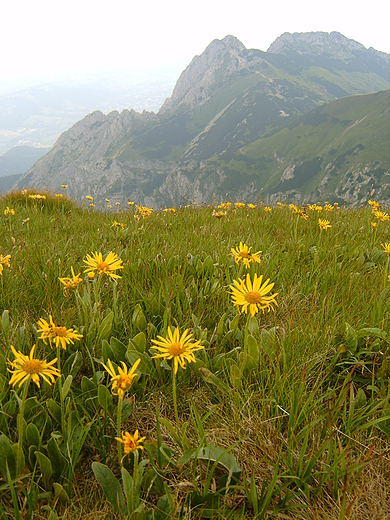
(340, 148)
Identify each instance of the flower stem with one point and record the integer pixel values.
(60, 389)
(20, 425)
(174, 398)
(118, 429)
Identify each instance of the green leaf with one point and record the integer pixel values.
(212, 379)
(163, 509)
(146, 365)
(128, 484)
(45, 467)
(72, 365)
(253, 348)
(118, 349)
(222, 457)
(32, 434)
(139, 341)
(104, 398)
(253, 326)
(60, 464)
(110, 485)
(66, 386)
(105, 328)
(138, 319)
(7, 457)
(54, 410)
(60, 493)
(351, 337)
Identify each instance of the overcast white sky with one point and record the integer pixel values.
(46, 37)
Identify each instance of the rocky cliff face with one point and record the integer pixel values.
(195, 146)
(221, 59)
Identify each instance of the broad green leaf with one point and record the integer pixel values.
(59, 492)
(138, 319)
(60, 464)
(128, 484)
(253, 348)
(110, 485)
(104, 398)
(66, 386)
(105, 328)
(45, 467)
(212, 379)
(146, 365)
(72, 365)
(139, 341)
(7, 457)
(54, 410)
(32, 434)
(118, 349)
(163, 509)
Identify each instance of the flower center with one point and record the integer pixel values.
(32, 366)
(60, 332)
(124, 382)
(176, 349)
(103, 266)
(253, 297)
(244, 254)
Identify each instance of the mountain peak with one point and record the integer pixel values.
(314, 43)
(196, 82)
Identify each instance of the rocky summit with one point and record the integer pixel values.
(300, 121)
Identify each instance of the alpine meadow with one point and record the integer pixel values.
(194, 304)
(224, 361)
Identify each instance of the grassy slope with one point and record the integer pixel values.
(301, 412)
(327, 132)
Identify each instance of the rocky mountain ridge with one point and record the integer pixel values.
(225, 100)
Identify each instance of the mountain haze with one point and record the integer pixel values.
(219, 132)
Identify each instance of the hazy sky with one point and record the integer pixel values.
(46, 37)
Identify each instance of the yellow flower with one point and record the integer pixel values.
(252, 295)
(8, 211)
(219, 214)
(118, 203)
(373, 204)
(302, 214)
(24, 192)
(328, 207)
(136, 217)
(224, 205)
(107, 201)
(380, 215)
(268, 209)
(4, 260)
(386, 247)
(374, 224)
(242, 254)
(64, 186)
(130, 442)
(251, 206)
(92, 205)
(109, 206)
(25, 220)
(88, 197)
(59, 195)
(295, 208)
(239, 205)
(324, 224)
(130, 203)
(111, 263)
(180, 349)
(56, 334)
(70, 283)
(122, 380)
(118, 224)
(144, 211)
(27, 368)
